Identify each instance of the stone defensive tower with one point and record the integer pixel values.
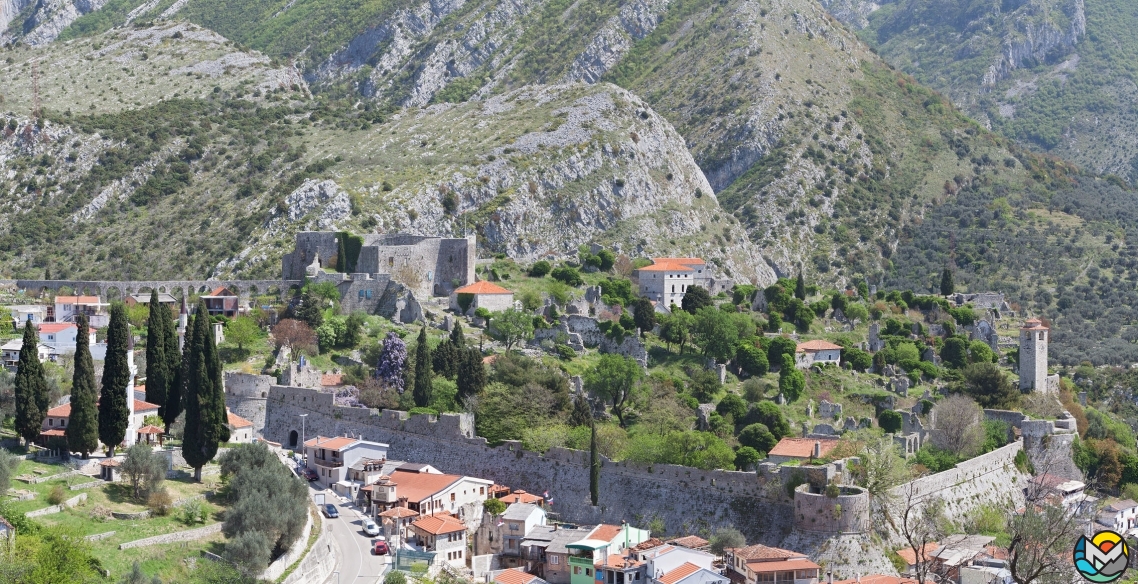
(1033, 338)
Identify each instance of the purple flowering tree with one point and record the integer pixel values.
(391, 361)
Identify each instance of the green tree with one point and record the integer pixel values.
(31, 388)
(311, 309)
(157, 377)
(444, 359)
(980, 352)
(746, 458)
(422, 388)
(83, 425)
(726, 538)
(716, 333)
(800, 287)
(644, 314)
(61, 557)
(733, 405)
(114, 413)
(676, 329)
(890, 421)
(759, 437)
(695, 298)
(471, 376)
(947, 285)
(614, 379)
(594, 466)
(341, 255)
(858, 359)
(778, 347)
(769, 414)
(177, 361)
(989, 386)
(353, 330)
(751, 359)
(791, 381)
(268, 510)
(144, 468)
(540, 268)
(512, 326)
(204, 399)
(494, 506)
(954, 353)
(240, 331)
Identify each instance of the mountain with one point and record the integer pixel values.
(762, 135)
(1056, 75)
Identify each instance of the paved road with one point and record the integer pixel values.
(357, 564)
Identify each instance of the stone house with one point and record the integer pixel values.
(332, 457)
(482, 294)
(221, 301)
(759, 563)
(801, 449)
(665, 282)
(444, 535)
(518, 520)
(240, 429)
(1070, 493)
(423, 489)
(817, 352)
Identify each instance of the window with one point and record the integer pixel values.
(50, 421)
(368, 293)
(588, 571)
(452, 497)
(554, 560)
(361, 295)
(481, 490)
(576, 570)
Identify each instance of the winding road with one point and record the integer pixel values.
(357, 565)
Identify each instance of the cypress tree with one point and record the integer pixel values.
(31, 387)
(156, 373)
(83, 426)
(457, 338)
(204, 397)
(114, 413)
(176, 361)
(947, 285)
(594, 466)
(422, 389)
(471, 372)
(800, 287)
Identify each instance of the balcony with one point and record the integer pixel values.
(328, 463)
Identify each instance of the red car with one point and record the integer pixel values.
(310, 474)
(380, 548)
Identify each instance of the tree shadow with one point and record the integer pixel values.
(232, 354)
(121, 493)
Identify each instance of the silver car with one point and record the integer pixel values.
(370, 527)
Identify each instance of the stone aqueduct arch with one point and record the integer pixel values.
(103, 288)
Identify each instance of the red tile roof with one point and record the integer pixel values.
(438, 524)
(686, 569)
(647, 544)
(691, 541)
(802, 447)
(220, 291)
(762, 552)
(150, 429)
(64, 411)
(514, 576)
(330, 443)
(399, 512)
(141, 406)
(55, 327)
(237, 421)
(910, 556)
(419, 486)
(520, 497)
(619, 561)
(482, 287)
(1034, 324)
(76, 299)
(52, 432)
(110, 462)
(763, 567)
(666, 267)
(331, 379)
(818, 345)
(605, 532)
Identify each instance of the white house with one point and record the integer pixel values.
(518, 520)
(1071, 493)
(56, 420)
(332, 457)
(63, 336)
(240, 429)
(22, 313)
(664, 559)
(1120, 516)
(444, 535)
(817, 352)
(691, 574)
(665, 282)
(426, 492)
(67, 307)
(482, 294)
(11, 353)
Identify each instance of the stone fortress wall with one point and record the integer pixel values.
(246, 395)
(816, 512)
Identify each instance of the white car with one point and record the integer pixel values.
(370, 527)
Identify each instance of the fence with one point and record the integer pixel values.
(406, 559)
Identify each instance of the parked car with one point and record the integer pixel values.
(380, 547)
(330, 511)
(310, 474)
(370, 527)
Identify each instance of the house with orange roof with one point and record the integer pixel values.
(443, 534)
(665, 281)
(421, 488)
(740, 570)
(55, 422)
(689, 573)
(240, 429)
(817, 352)
(222, 301)
(62, 335)
(666, 558)
(481, 294)
(66, 308)
(801, 449)
(603, 541)
(520, 496)
(515, 576)
(332, 457)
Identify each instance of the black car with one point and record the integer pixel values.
(330, 511)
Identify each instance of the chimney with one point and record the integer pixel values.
(817, 449)
(858, 578)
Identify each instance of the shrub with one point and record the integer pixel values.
(494, 506)
(160, 502)
(56, 495)
(569, 276)
(395, 577)
(540, 268)
(193, 512)
(890, 421)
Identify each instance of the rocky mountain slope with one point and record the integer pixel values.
(1057, 75)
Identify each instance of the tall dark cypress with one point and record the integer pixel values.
(31, 388)
(594, 466)
(156, 374)
(422, 389)
(457, 338)
(83, 426)
(204, 399)
(800, 287)
(471, 376)
(114, 413)
(176, 363)
(341, 255)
